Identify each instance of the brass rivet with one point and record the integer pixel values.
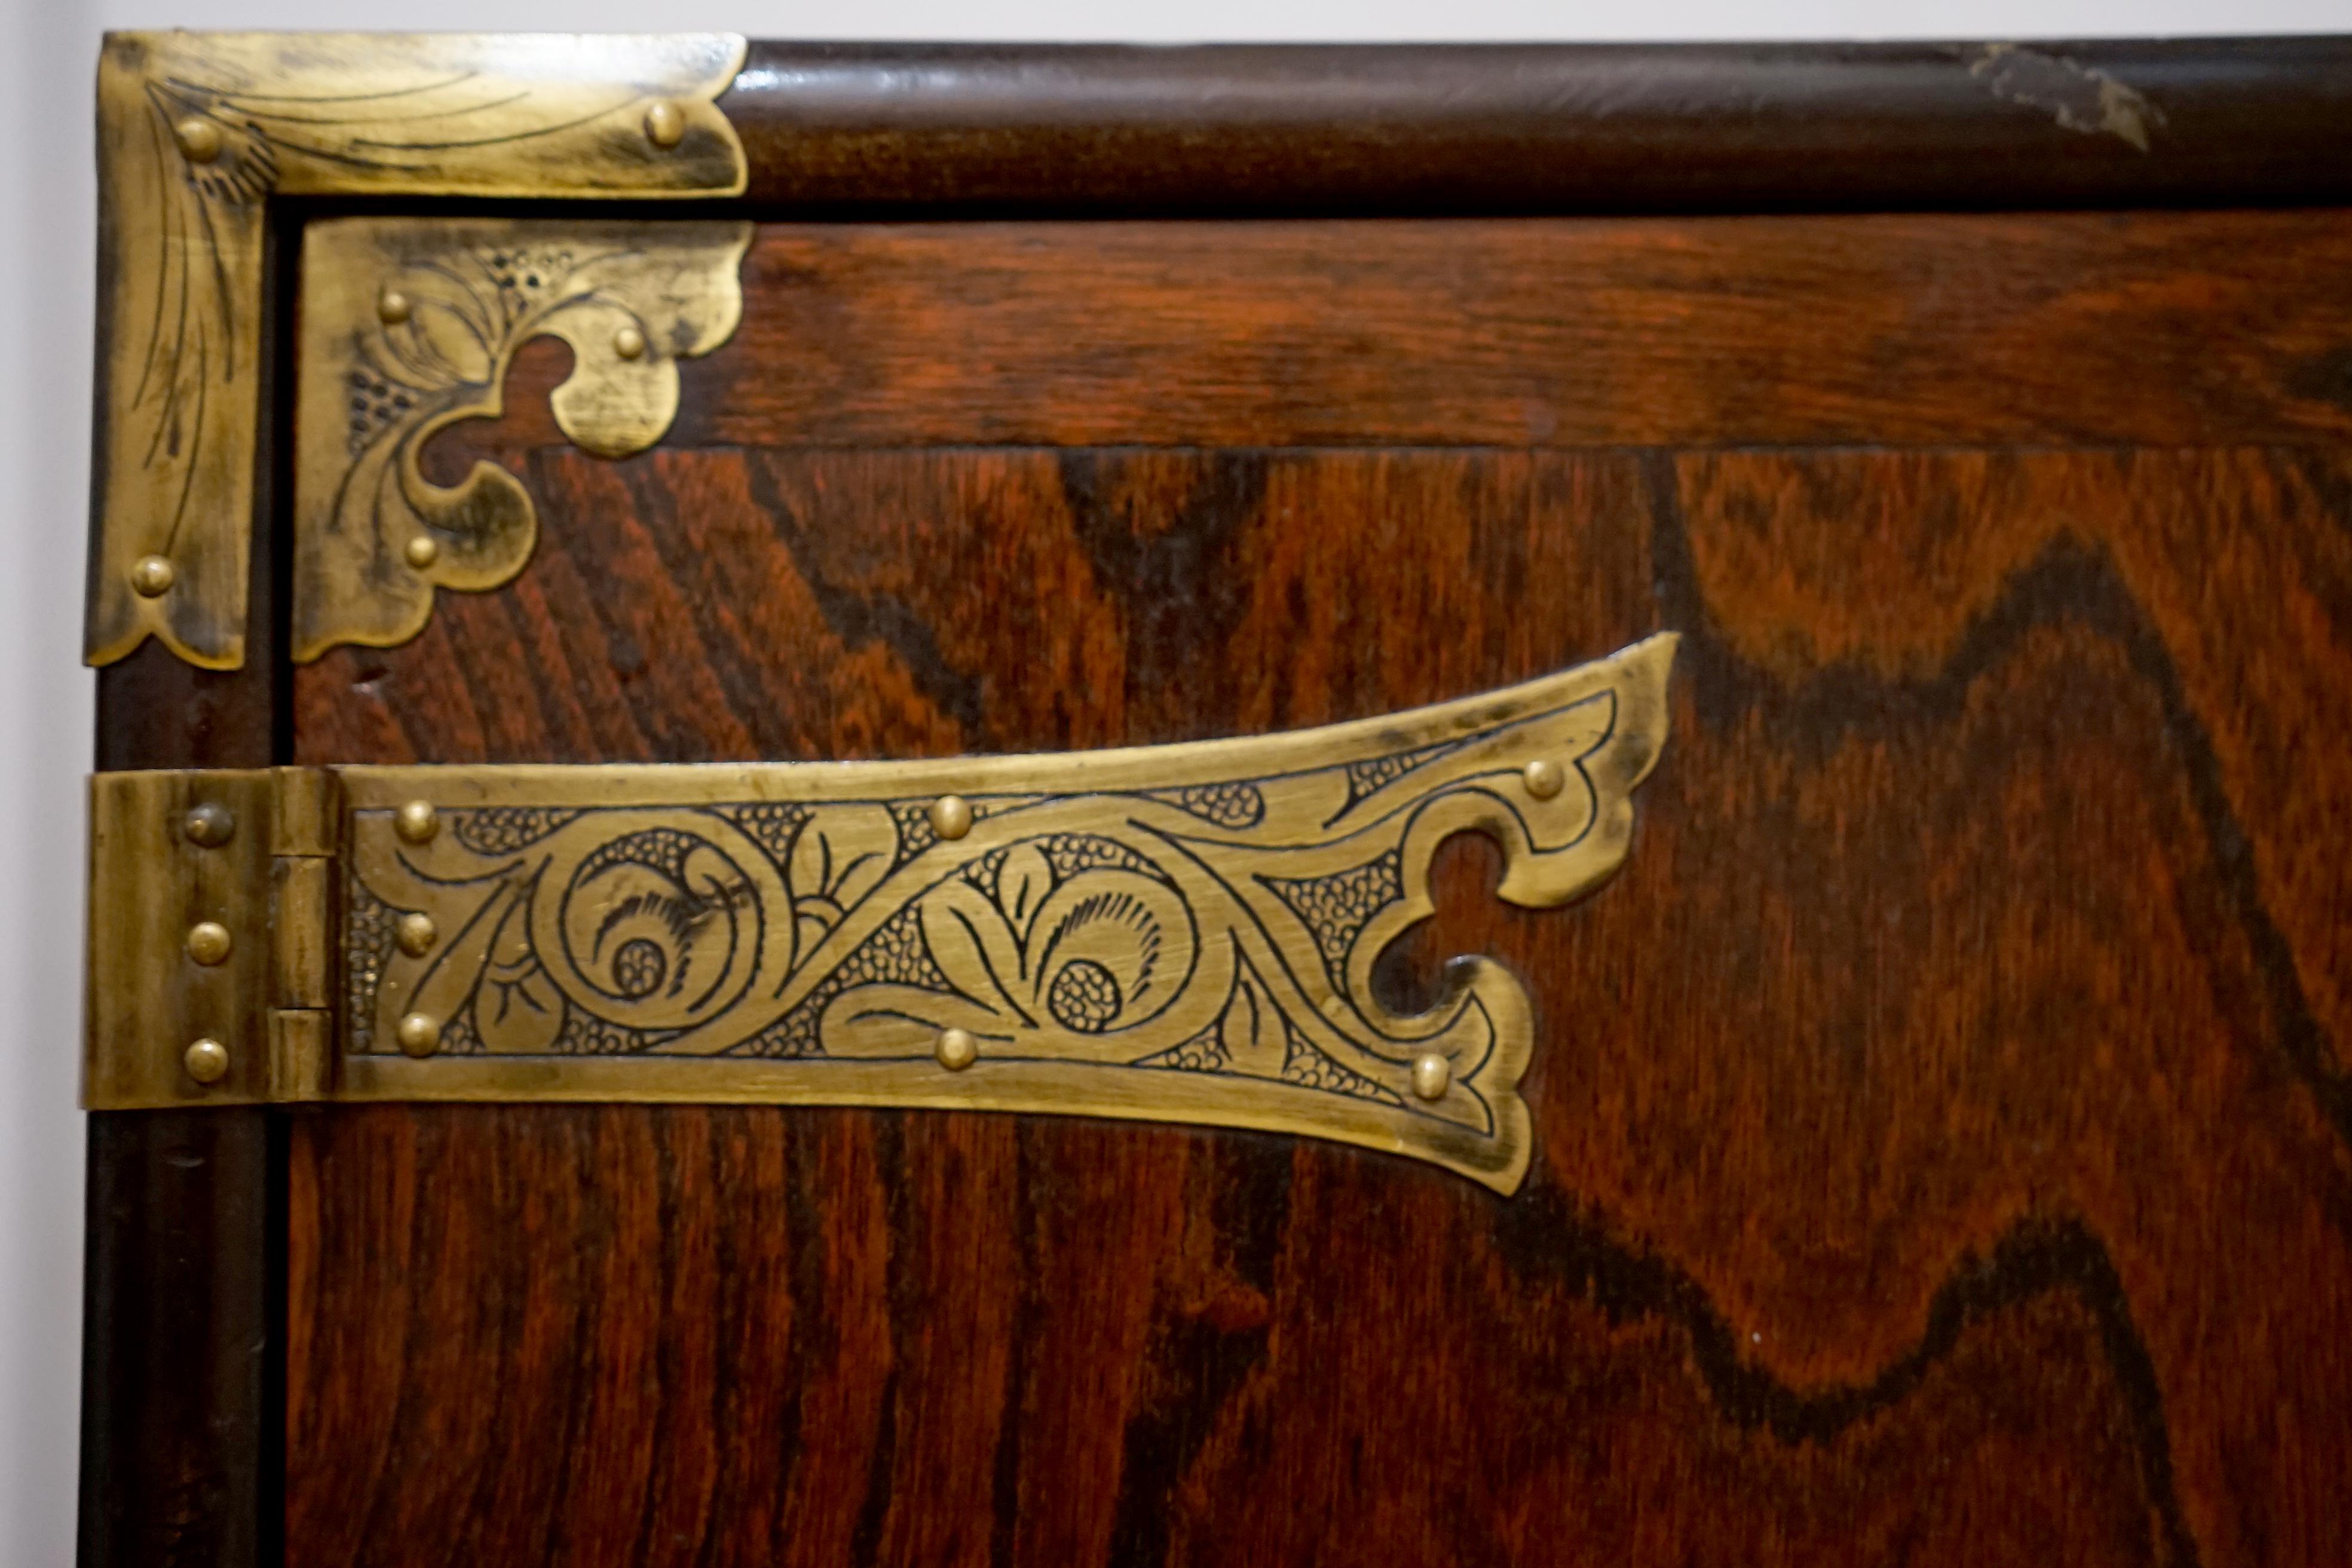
(209, 825)
(416, 821)
(152, 576)
(956, 1049)
(420, 552)
(1543, 778)
(199, 139)
(951, 817)
(628, 342)
(1432, 1076)
(416, 933)
(664, 123)
(419, 1035)
(206, 1061)
(208, 942)
(392, 306)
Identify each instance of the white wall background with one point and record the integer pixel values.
(47, 223)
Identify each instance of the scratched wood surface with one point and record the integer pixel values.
(1944, 1152)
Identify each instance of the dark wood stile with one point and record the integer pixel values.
(182, 1295)
(2009, 627)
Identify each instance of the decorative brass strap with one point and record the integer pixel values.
(1181, 933)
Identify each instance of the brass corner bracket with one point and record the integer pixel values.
(197, 132)
(408, 326)
(1176, 933)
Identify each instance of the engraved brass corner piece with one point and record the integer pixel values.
(197, 132)
(408, 326)
(1178, 933)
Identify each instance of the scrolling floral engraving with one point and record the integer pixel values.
(1182, 933)
(409, 326)
(199, 132)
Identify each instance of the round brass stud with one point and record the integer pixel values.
(1433, 1075)
(152, 576)
(208, 942)
(206, 1061)
(957, 1049)
(628, 342)
(416, 821)
(664, 123)
(419, 1035)
(417, 935)
(199, 139)
(210, 825)
(1543, 778)
(420, 552)
(951, 817)
(392, 307)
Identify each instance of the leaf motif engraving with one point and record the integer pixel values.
(517, 1011)
(838, 858)
(1021, 884)
(1252, 1032)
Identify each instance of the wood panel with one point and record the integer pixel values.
(1943, 1148)
(2167, 329)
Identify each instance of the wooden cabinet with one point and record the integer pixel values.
(1938, 1125)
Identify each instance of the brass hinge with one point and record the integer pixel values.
(210, 969)
(1167, 933)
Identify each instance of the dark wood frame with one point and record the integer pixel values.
(1539, 129)
(181, 1451)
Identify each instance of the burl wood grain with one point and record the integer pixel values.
(1943, 1152)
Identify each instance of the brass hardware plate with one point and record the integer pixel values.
(199, 132)
(408, 326)
(1178, 933)
(245, 852)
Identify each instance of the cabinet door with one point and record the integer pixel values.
(1932, 1138)
(1934, 1148)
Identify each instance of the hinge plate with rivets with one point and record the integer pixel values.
(1174, 933)
(210, 899)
